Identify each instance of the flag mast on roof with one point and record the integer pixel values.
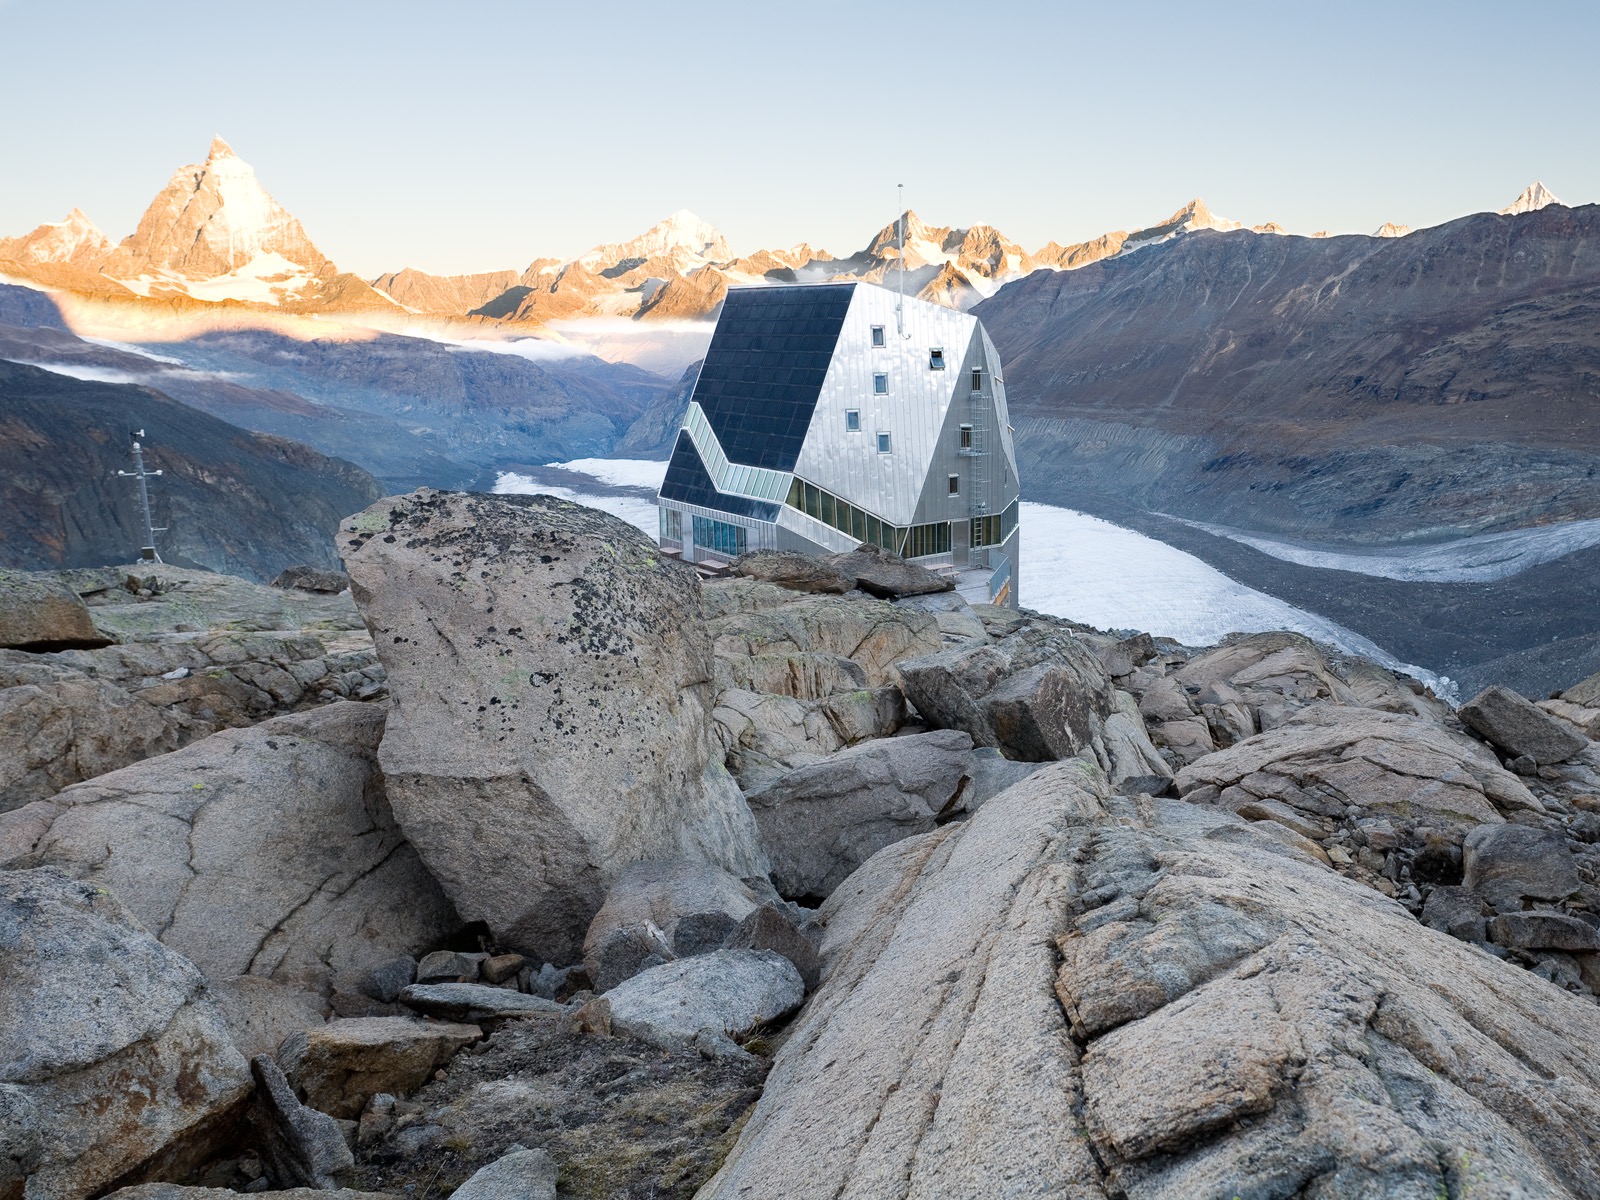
(900, 254)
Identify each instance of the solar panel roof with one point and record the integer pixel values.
(759, 384)
(687, 481)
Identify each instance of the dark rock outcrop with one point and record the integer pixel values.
(230, 500)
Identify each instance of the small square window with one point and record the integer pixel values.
(936, 359)
(883, 443)
(880, 385)
(852, 420)
(877, 335)
(955, 485)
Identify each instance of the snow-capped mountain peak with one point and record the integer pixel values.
(1390, 230)
(215, 225)
(76, 241)
(1534, 197)
(682, 237)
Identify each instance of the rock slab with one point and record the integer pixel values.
(338, 1067)
(1092, 996)
(701, 1001)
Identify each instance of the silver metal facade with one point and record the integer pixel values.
(921, 409)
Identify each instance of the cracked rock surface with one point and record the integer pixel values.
(1102, 997)
(267, 851)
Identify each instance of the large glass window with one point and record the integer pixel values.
(922, 541)
(720, 537)
(671, 526)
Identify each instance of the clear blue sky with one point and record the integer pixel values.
(458, 138)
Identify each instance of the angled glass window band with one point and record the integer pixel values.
(877, 335)
(852, 420)
(883, 443)
(843, 516)
(936, 359)
(880, 384)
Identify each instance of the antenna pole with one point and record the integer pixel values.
(900, 255)
(148, 550)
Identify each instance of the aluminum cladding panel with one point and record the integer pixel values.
(911, 411)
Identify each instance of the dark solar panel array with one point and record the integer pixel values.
(688, 482)
(764, 370)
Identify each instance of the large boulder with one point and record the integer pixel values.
(708, 1000)
(520, 1175)
(343, 1064)
(112, 1054)
(880, 572)
(1037, 694)
(644, 908)
(1509, 864)
(1075, 995)
(1519, 727)
(263, 851)
(39, 612)
(1409, 771)
(552, 695)
(791, 569)
(820, 822)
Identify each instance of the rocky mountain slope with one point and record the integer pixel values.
(410, 410)
(1098, 915)
(245, 503)
(1333, 392)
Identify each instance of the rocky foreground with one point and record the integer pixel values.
(556, 872)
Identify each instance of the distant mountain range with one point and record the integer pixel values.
(214, 236)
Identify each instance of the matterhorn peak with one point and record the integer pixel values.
(216, 219)
(1534, 197)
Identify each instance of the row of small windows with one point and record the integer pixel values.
(847, 518)
(916, 541)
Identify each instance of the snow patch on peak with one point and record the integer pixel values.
(1534, 197)
(682, 236)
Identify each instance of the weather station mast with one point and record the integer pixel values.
(148, 550)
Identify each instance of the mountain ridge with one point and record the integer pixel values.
(214, 237)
